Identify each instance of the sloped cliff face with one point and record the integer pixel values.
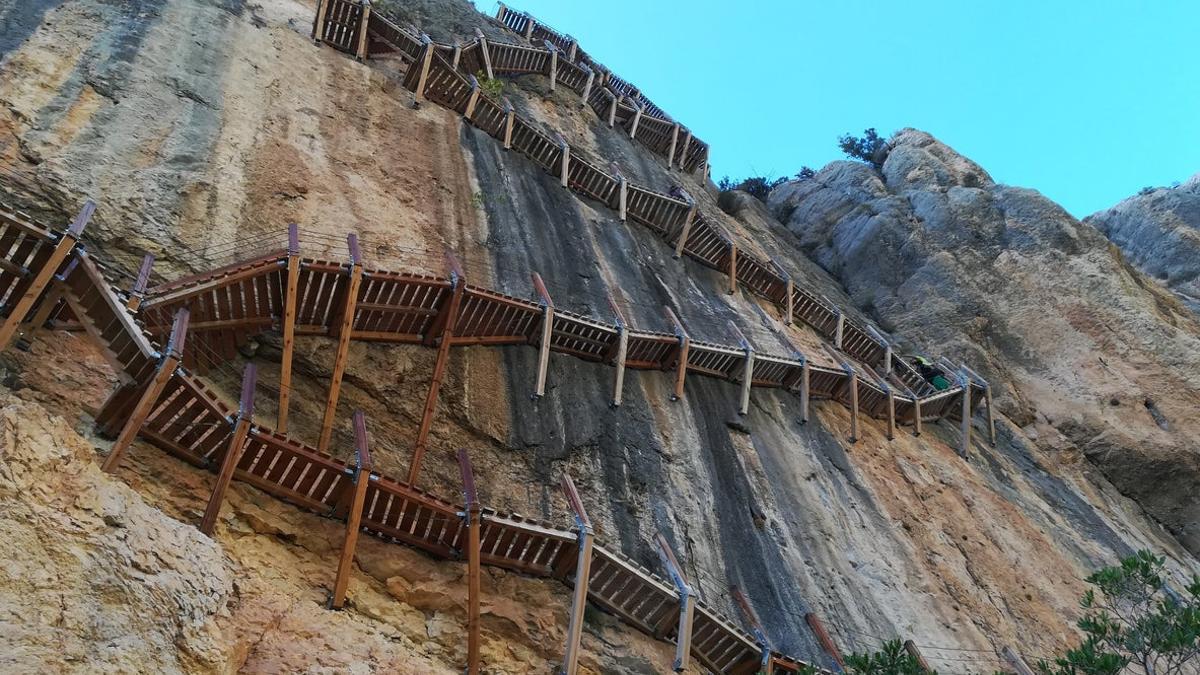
(1159, 232)
(1087, 353)
(199, 123)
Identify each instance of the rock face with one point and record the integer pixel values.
(1159, 231)
(1079, 343)
(95, 579)
(196, 124)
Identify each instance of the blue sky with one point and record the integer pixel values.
(1087, 102)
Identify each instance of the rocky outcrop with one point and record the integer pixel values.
(1158, 230)
(1078, 342)
(95, 579)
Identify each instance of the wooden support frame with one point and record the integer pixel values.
(486, 53)
(839, 329)
(1014, 659)
(345, 330)
(760, 636)
(362, 478)
(687, 142)
(687, 606)
(473, 516)
(509, 118)
(891, 401)
(364, 22)
(583, 567)
(612, 110)
(233, 452)
(637, 120)
(426, 62)
(674, 142)
(41, 278)
(987, 401)
(289, 327)
(805, 406)
(852, 375)
(818, 628)
(587, 86)
(553, 64)
(965, 431)
(456, 56)
(622, 192)
(565, 163)
(886, 365)
(733, 255)
(502, 12)
(747, 371)
(529, 26)
(622, 352)
(138, 292)
(685, 344)
(688, 220)
(546, 335)
(473, 101)
(789, 302)
(166, 368)
(319, 24)
(441, 331)
(913, 651)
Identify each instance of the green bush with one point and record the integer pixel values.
(493, 88)
(870, 148)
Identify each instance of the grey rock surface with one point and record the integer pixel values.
(1159, 231)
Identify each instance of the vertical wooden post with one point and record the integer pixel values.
(987, 401)
(623, 199)
(612, 110)
(747, 371)
(1014, 659)
(839, 329)
(674, 142)
(965, 436)
(362, 478)
(502, 13)
(138, 292)
(733, 254)
(572, 50)
(789, 302)
(456, 55)
(166, 368)
(486, 53)
(442, 329)
(622, 351)
(804, 396)
(42, 277)
(289, 326)
(364, 22)
(509, 115)
(318, 33)
(529, 25)
(685, 344)
(472, 514)
(233, 452)
(587, 86)
(683, 151)
(637, 120)
(547, 333)
(687, 606)
(760, 636)
(916, 415)
(911, 648)
(553, 64)
(473, 101)
(688, 220)
(565, 164)
(344, 332)
(827, 643)
(582, 573)
(426, 62)
(852, 383)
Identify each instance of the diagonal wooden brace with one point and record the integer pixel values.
(233, 453)
(362, 478)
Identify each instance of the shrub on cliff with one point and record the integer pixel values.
(870, 147)
(755, 186)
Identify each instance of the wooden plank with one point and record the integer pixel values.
(911, 648)
(685, 343)
(622, 352)
(343, 349)
(827, 643)
(547, 328)
(473, 516)
(233, 452)
(138, 293)
(447, 319)
(582, 574)
(362, 478)
(42, 277)
(1014, 659)
(152, 392)
(289, 327)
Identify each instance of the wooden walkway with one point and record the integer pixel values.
(161, 399)
(440, 73)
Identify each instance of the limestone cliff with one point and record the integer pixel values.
(1158, 230)
(196, 123)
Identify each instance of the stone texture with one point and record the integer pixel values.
(1159, 232)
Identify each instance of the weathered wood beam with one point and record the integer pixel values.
(1014, 659)
(344, 334)
(583, 527)
(674, 142)
(509, 118)
(839, 330)
(162, 374)
(612, 109)
(688, 220)
(987, 400)
(473, 101)
(529, 26)
(486, 52)
(426, 62)
(42, 277)
(289, 326)
(965, 432)
(473, 516)
(553, 64)
(362, 478)
(565, 164)
(827, 643)
(138, 293)
(911, 648)
(233, 452)
(456, 56)
(760, 636)
(622, 351)
(637, 120)
(587, 86)
(685, 344)
(443, 331)
(733, 255)
(502, 12)
(547, 304)
(364, 22)
(891, 400)
(852, 375)
(789, 302)
(804, 393)
(747, 370)
(687, 606)
(622, 194)
(318, 32)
